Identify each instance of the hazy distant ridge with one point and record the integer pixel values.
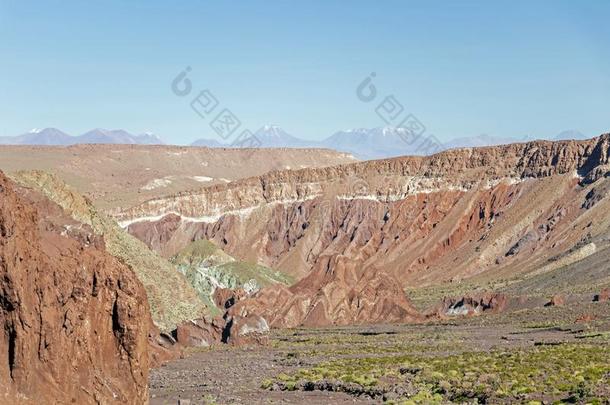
(54, 136)
(375, 143)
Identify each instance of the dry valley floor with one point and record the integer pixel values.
(549, 355)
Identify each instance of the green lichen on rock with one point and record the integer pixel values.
(207, 267)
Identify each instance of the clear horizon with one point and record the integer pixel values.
(507, 71)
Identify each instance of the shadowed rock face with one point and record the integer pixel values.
(74, 321)
(225, 298)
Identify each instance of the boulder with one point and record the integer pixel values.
(603, 296)
(199, 332)
(252, 329)
(556, 301)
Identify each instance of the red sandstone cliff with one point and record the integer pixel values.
(74, 320)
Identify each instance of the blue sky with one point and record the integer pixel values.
(501, 68)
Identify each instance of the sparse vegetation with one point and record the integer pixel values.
(560, 372)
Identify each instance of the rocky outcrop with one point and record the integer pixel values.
(225, 298)
(245, 330)
(557, 300)
(469, 305)
(199, 332)
(75, 321)
(230, 328)
(603, 296)
(162, 347)
(227, 329)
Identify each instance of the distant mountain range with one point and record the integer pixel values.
(362, 143)
(376, 143)
(570, 134)
(54, 136)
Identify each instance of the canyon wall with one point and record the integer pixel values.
(389, 179)
(498, 212)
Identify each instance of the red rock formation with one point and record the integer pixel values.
(74, 320)
(245, 330)
(557, 300)
(336, 293)
(225, 298)
(469, 305)
(505, 211)
(229, 329)
(200, 332)
(585, 318)
(162, 347)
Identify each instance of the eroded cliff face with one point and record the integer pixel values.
(492, 212)
(387, 180)
(74, 321)
(171, 298)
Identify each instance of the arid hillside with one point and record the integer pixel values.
(501, 214)
(123, 175)
(171, 298)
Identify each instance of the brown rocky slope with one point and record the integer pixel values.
(503, 213)
(74, 321)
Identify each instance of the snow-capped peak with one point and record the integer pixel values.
(35, 130)
(272, 131)
(272, 128)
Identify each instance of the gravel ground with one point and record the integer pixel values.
(231, 375)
